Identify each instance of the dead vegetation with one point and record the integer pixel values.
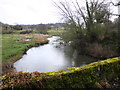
(98, 50)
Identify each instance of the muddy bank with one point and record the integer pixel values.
(7, 67)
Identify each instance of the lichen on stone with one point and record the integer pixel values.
(87, 76)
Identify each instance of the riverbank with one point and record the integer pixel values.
(15, 45)
(102, 74)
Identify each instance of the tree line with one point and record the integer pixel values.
(38, 28)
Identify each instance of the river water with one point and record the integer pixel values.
(51, 57)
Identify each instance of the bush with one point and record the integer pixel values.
(98, 50)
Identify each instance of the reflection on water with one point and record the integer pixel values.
(50, 57)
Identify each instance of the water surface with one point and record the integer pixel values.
(51, 57)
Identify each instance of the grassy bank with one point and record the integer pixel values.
(15, 45)
(56, 32)
(102, 74)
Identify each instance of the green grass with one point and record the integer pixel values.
(12, 50)
(55, 32)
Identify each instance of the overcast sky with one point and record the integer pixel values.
(29, 11)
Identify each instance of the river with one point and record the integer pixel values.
(51, 57)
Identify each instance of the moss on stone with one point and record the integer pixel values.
(87, 76)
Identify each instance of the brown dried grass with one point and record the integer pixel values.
(41, 38)
(97, 50)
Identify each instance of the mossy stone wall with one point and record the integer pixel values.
(88, 76)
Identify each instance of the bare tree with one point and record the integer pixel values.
(96, 12)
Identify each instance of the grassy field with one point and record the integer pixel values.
(55, 32)
(15, 45)
(11, 49)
